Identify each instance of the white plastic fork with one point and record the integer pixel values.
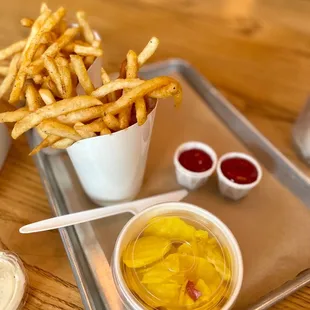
(133, 207)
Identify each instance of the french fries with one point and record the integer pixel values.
(14, 116)
(148, 51)
(47, 96)
(131, 73)
(141, 112)
(46, 67)
(52, 127)
(81, 73)
(48, 140)
(9, 79)
(87, 31)
(62, 143)
(143, 89)
(116, 85)
(12, 49)
(65, 76)
(51, 111)
(26, 22)
(33, 99)
(111, 122)
(4, 70)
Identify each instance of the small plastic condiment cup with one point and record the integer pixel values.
(191, 214)
(231, 189)
(189, 179)
(20, 281)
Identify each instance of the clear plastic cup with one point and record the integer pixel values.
(13, 282)
(223, 296)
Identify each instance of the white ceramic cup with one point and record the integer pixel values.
(189, 179)
(5, 143)
(111, 167)
(134, 227)
(233, 190)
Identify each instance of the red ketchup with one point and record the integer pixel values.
(195, 160)
(239, 170)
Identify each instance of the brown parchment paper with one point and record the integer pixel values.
(271, 225)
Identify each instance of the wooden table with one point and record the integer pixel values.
(257, 52)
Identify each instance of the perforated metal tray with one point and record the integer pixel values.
(89, 263)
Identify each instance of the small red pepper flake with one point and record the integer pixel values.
(192, 292)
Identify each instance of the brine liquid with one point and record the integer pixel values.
(174, 264)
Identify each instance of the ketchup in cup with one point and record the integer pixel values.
(194, 163)
(237, 173)
(195, 160)
(239, 170)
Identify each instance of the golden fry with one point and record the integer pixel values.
(65, 75)
(166, 91)
(141, 90)
(40, 51)
(88, 61)
(48, 38)
(111, 122)
(95, 126)
(96, 43)
(105, 131)
(116, 85)
(47, 96)
(132, 65)
(83, 133)
(49, 140)
(38, 65)
(63, 143)
(69, 48)
(86, 29)
(61, 27)
(141, 112)
(105, 80)
(148, 51)
(13, 116)
(27, 22)
(43, 7)
(49, 84)
(87, 50)
(9, 79)
(33, 99)
(36, 27)
(124, 118)
(52, 127)
(82, 74)
(38, 79)
(52, 69)
(53, 110)
(83, 115)
(131, 73)
(42, 134)
(4, 70)
(12, 49)
(29, 51)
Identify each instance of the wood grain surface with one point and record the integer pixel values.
(257, 52)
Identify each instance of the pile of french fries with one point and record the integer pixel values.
(44, 70)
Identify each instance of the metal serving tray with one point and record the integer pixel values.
(89, 264)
